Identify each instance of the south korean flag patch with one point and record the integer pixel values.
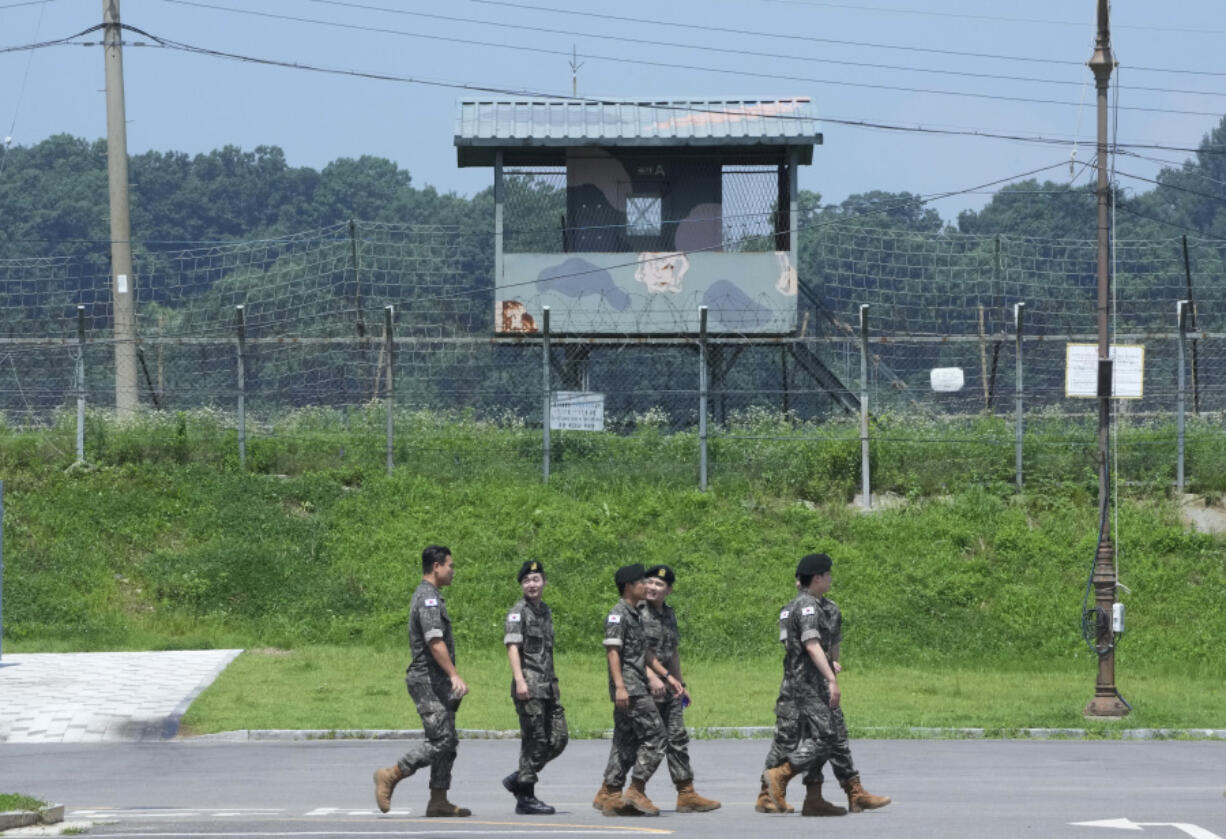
(808, 610)
(784, 615)
(430, 601)
(615, 618)
(514, 617)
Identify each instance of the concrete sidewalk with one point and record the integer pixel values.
(95, 697)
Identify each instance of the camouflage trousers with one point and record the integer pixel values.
(638, 742)
(438, 749)
(787, 737)
(542, 735)
(676, 740)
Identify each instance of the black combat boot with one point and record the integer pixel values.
(528, 804)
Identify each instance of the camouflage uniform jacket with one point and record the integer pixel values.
(428, 620)
(624, 628)
(663, 637)
(799, 622)
(831, 625)
(531, 629)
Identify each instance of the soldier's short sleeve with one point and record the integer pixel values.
(515, 627)
(809, 623)
(430, 618)
(614, 629)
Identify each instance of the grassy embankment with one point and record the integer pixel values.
(962, 607)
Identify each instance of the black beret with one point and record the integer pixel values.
(629, 573)
(813, 565)
(663, 572)
(532, 566)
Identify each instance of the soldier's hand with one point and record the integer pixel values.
(458, 687)
(655, 685)
(836, 667)
(521, 689)
(835, 695)
(621, 699)
(675, 684)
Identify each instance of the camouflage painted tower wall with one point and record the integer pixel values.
(645, 242)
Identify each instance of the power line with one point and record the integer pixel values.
(990, 18)
(679, 66)
(639, 41)
(5, 6)
(811, 38)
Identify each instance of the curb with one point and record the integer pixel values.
(51, 814)
(759, 732)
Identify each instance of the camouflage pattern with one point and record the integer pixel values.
(646, 292)
(660, 626)
(663, 639)
(531, 629)
(428, 620)
(542, 719)
(787, 720)
(638, 731)
(638, 741)
(430, 688)
(623, 628)
(800, 622)
(543, 735)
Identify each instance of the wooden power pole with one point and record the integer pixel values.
(123, 288)
(1106, 701)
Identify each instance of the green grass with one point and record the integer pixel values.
(355, 688)
(16, 801)
(166, 544)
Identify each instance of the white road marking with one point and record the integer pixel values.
(1195, 831)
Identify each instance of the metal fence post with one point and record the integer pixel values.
(1181, 317)
(546, 386)
(80, 385)
(1019, 323)
(240, 325)
(1, 569)
(389, 342)
(866, 492)
(702, 398)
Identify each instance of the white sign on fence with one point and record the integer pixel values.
(576, 410)
(1127, 373)
(947, 379)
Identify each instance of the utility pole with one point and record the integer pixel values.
(1106, 702)
(575, 64)
(123, 288)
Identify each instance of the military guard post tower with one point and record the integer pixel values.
(625, 217)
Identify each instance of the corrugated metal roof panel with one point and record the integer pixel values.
(776, 121)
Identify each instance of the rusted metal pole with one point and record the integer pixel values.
(1106, 701)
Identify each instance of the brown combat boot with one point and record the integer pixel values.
(858, 799)
(385, 782)
(636, 796)
(439, 806)
(776, 781)
(815, 805)
(609, 802)
(764, 803)
(689, 801)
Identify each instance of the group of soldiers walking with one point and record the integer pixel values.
(648, 691)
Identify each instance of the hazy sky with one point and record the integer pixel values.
(931, 64)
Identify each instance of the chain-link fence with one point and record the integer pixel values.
(321, 353)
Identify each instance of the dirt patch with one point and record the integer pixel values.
(1206, 517)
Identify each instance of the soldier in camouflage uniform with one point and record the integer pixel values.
(638, 731)
(434, 685)
(534, 689)
(663, 642)
(814, 579)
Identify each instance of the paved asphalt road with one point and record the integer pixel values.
(165, 790)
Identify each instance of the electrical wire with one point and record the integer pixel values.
(669, 65)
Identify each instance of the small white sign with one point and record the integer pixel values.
(1127, 373)
(121, 283)
(947, 379)
(576, 410)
